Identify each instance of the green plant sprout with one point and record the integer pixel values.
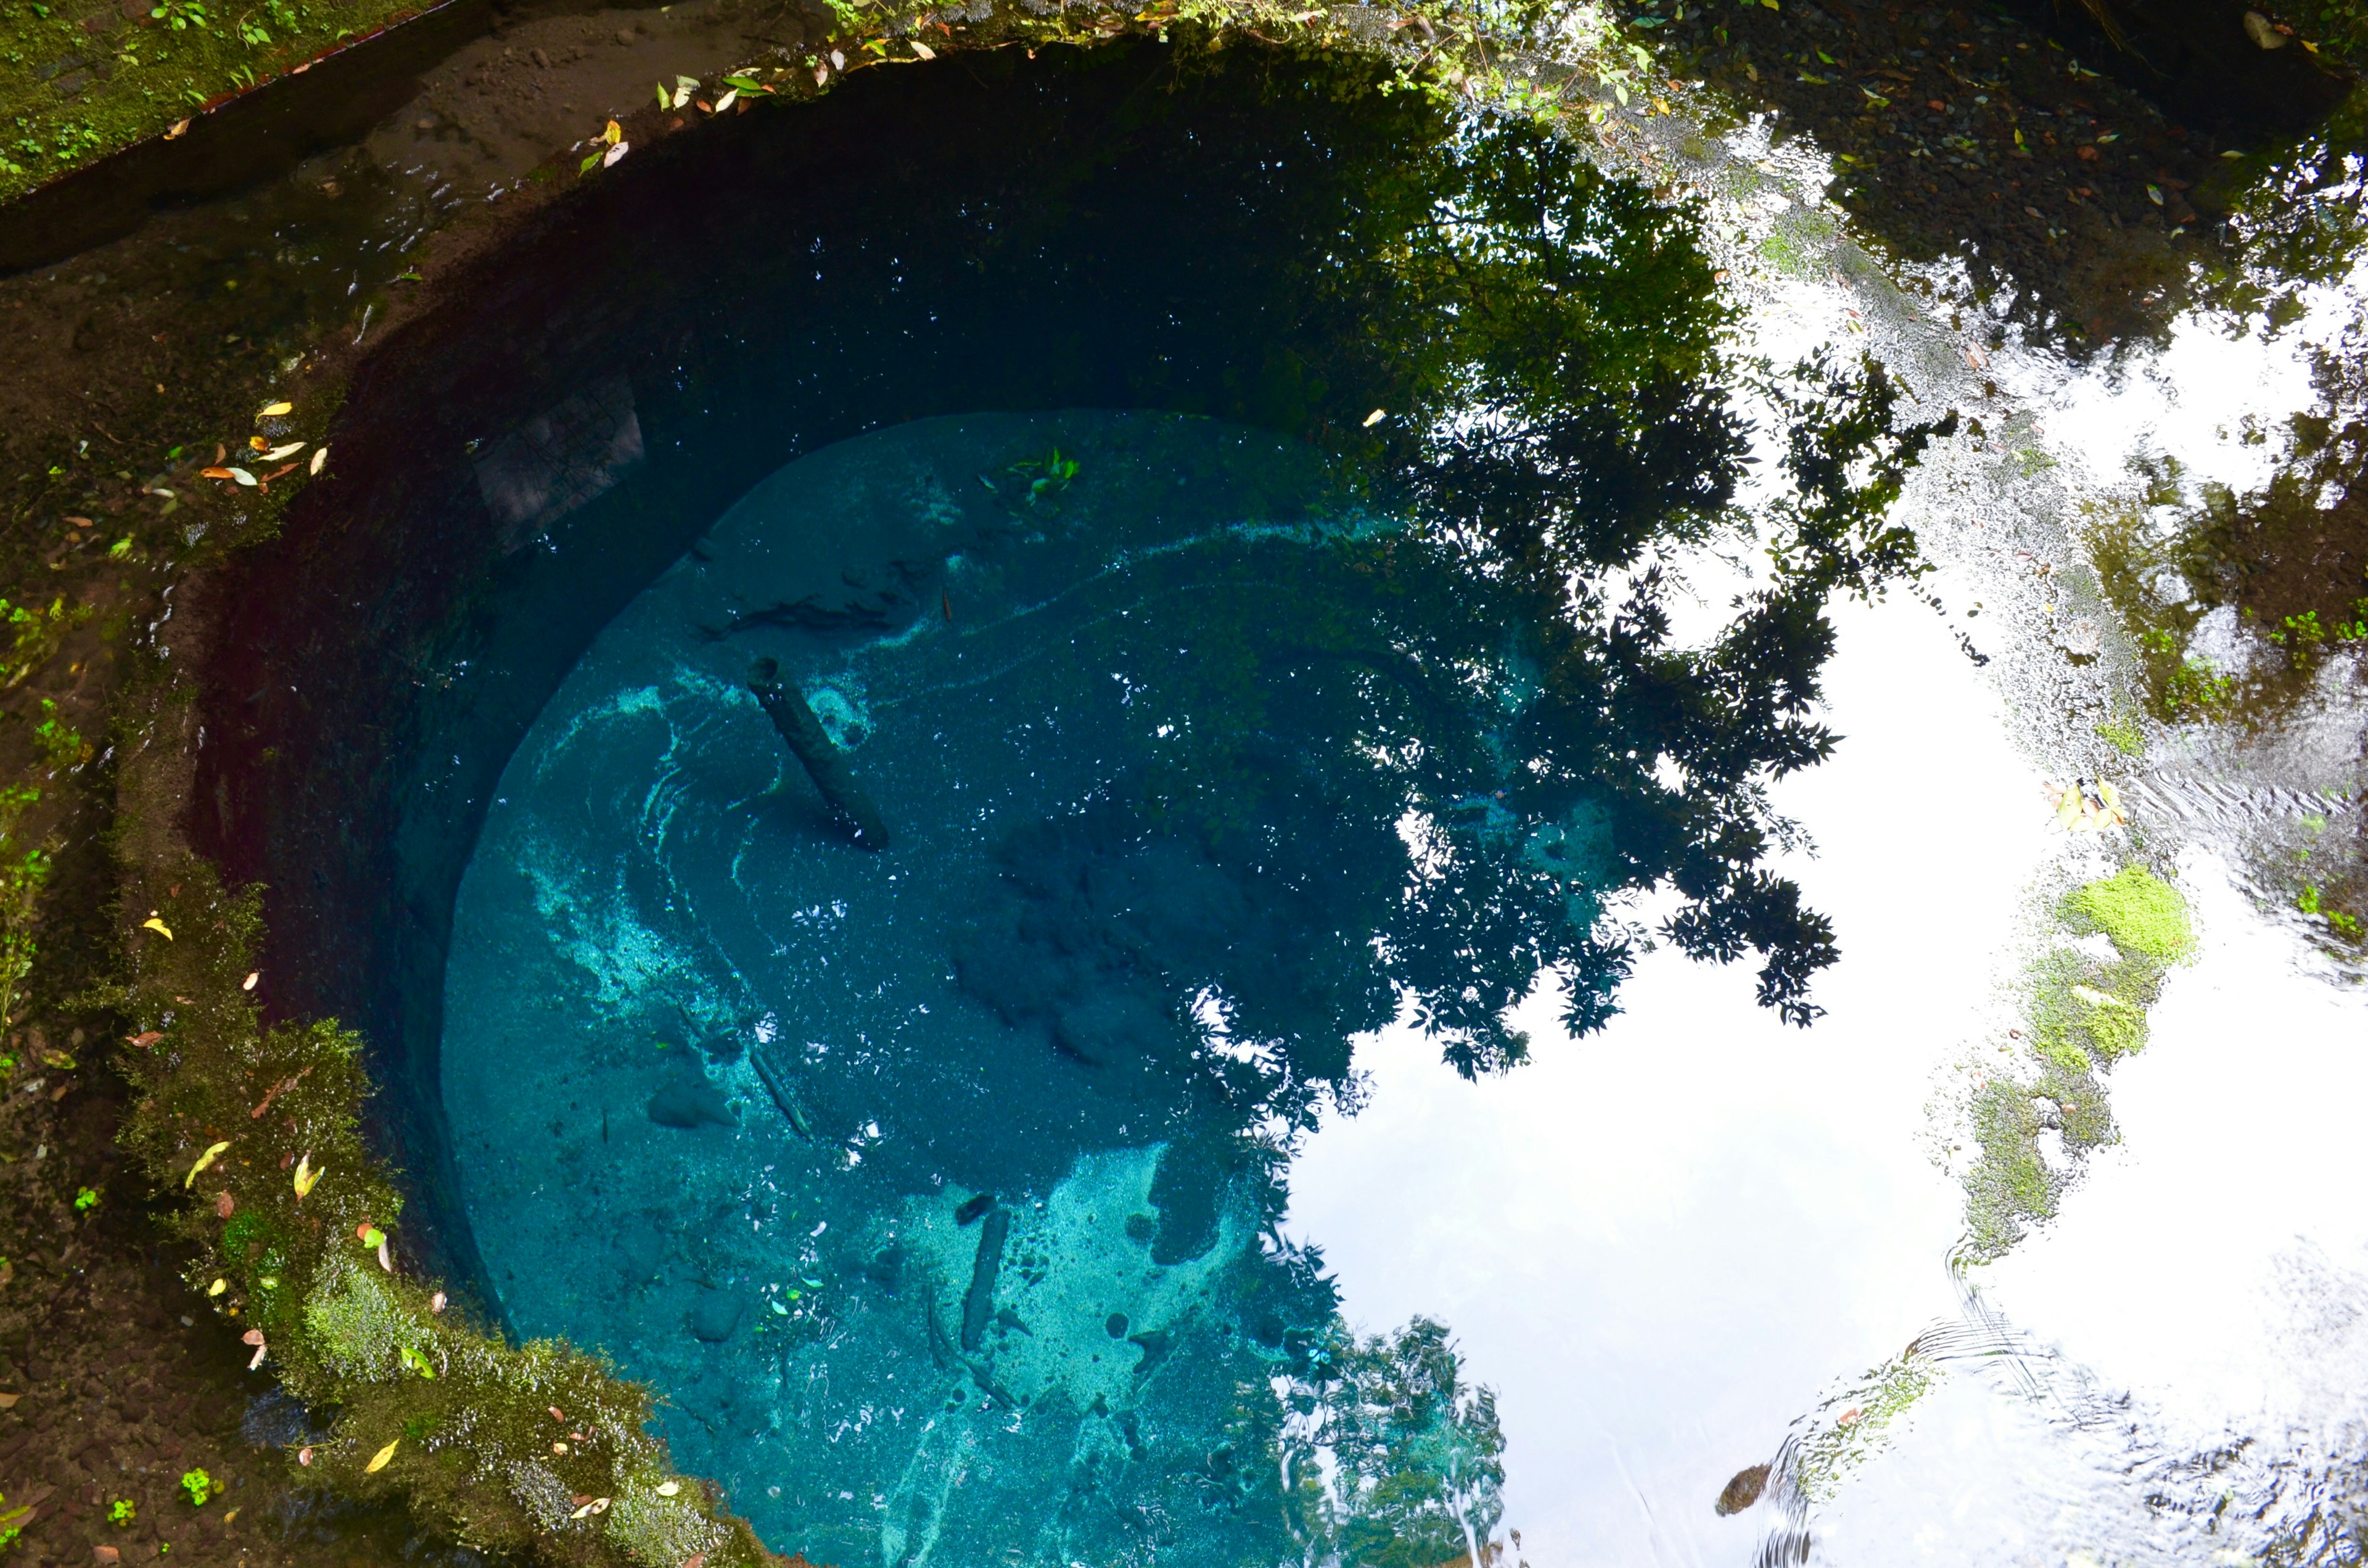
(200, 1486)
(87, 1199)
(122, 1512)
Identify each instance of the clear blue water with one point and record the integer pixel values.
(934, 1187)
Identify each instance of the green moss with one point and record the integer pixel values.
(2142, 915)
(2010, 1187)
(1862, 1419)
(2123, 737)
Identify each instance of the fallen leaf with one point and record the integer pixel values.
(377, 1459)
(272, 410)
(252, 1337)
(155, 925)
(175, 131)
(108, 1554)
(145, 1039)
(665, 100)
(79, 522)
(217, 1288)
(696, 1560)
(614, 134)
(233, 1513)
(275, 453)
(1376, 417)
(320, 459)
(436, 1303)
(224, 1205)
(555, 1414)
(727, 100)
(257, 442)
(282, 472)
(248, 983)
(8, 1401)
(668, 1488)
(243, 477)
(306, 1178)
(214, 473)
(208, 1158)
(923, 50)
(303, 1456)
(609, 159)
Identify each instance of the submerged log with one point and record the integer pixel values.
(825, 763)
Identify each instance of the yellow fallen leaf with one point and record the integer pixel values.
(217, 1288)
(668, 1488)
(727, 100)
(306, 1178)
(614, 134)
(1376, 417)
(176, 129)
(208, 1158)
(320, 459)
(377, 1459)
(271, 410)
(153, 923)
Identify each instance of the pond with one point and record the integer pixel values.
(1156, 804)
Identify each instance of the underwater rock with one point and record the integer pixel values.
(784, 1090)
(887, 1269)
(688, 1103)
(1156, 1345)
(973, 1207)
(978, 1302)
(1743, 1491)
(825, 763)
(716, 1316)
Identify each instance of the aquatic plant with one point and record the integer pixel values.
(2082, 1014)
(2138, 912)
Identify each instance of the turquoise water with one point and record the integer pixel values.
(935, 1186)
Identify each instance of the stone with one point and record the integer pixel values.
(688, 1103)
(1743, 1491)
(714, 1316)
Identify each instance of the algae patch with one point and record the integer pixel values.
(2033, 1121)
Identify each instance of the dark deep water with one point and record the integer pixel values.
(935, 1186)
